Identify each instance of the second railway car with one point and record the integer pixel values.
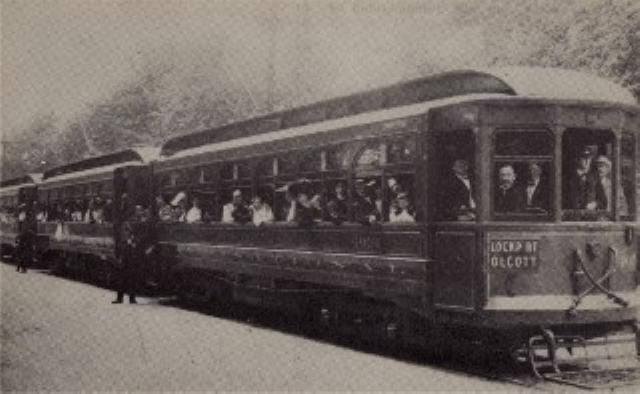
(83, 204)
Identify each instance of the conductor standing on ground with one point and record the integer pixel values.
(25, 241)
(130, 258)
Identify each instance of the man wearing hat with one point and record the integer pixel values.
(456, 201)
(364, 208)
(25, 240)
(604, 187)
(179, 207)
(580, 193)
(307, 210)
(236, 211)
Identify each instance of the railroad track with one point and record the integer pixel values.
(466, 358)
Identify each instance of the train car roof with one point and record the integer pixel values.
(323, 127)
(538, 82)
(11, 185)
(561, 84)
(443, 85)
(100, 164)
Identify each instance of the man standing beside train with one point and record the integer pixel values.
(134, 238)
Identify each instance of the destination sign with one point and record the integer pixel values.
(513, 254)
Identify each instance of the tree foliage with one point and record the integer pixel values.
(172, 95)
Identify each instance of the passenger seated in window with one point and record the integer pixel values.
(363, 205)
(402, 211)
(337, 207)
(456, 198)
(536, 194)
(22, 213)
(287, 209)
(140, 214)
(76, 211)
(164, 209)
(95, 211)
(376, 191)
(194, 215)
(604, 188)
(87, 217)
(261, 211)
(507, 196)
(580, 190)
(41, 212)
(98, 210)
(179, 207)
(307, 210)
(236, 211)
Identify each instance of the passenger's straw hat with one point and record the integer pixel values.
(603, 160)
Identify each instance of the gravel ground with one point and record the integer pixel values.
(62, 335)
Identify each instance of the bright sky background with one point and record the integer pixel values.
(62, 55)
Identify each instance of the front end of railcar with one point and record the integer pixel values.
(555, 231)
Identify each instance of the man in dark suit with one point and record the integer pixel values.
(508, 198)
(580, 192)
(456, 199)
(536, 193)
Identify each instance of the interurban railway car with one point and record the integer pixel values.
(497, 205)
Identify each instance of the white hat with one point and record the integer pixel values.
(179, 197)
(391, 182)
(604, 160)
(237, 193)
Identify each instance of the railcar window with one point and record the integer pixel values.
(227, 172)
(174, 178)
(195, 176)
(243, 171)
(164, 181)
(371, 156)
(309, 162)
(208, 174)
(401, 151)
(523, 175)
(286, 166)
(588, 184)
(626, 195)
(333, 159)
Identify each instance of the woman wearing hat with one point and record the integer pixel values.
(402, 212)
(307, 210)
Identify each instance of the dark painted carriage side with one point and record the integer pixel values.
(571, 271)
(84, 245)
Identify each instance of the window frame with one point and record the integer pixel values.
(549, 160)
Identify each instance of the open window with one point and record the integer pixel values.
(453, 176)
(589, 180)
(523, 175)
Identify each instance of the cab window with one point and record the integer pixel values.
(522, 180)
(588, 181)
